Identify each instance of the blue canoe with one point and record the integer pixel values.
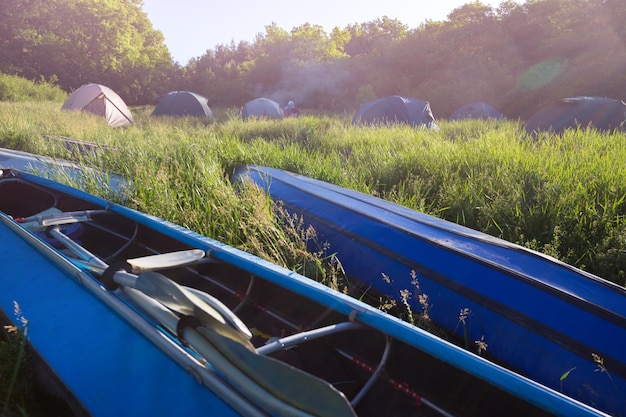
(539, 316)
(138, 316)
(58, 168)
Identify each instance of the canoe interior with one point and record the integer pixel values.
(272, 311)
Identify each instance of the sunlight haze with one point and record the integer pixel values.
(191, 27)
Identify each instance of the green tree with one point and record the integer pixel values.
(310, 44)
(79, 41)
(470, 14)
(271, 51)
(221, 74)
(370, 37)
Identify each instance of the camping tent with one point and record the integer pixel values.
(183, 103)
(261, 107)
(396, 109)
(476, 110)
(599, 112)
(100, 100)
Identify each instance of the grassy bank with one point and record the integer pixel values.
(562, 195)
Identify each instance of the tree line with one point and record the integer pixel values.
(517, 56)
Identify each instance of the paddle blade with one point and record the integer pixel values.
(165, 291)
(290, 385)
(230, 317)
(183, 301)
(165, 260)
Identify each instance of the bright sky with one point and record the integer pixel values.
(191, 27)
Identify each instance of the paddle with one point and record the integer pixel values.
(297, 388)
(208, 310)
(137, 265)
(181, 300)
(221, 337)
(273, 386)
(54, 217)
(165, 260)
(82, 253)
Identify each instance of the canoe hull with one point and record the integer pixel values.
(100, 358)
(537, 315)
(58, 168)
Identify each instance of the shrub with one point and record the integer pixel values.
(14, 88)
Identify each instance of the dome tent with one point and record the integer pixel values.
(181, 104)
(100, 100)
(599, 112)
(476, 110)
(261, 107)
(396, 109)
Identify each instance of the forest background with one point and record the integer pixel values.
(517, 57)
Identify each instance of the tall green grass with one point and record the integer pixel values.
(562, 195)
(16, 373)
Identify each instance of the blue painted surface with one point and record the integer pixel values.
(106, 364)
(51, 167)
(539, 316)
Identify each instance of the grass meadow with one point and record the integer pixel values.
(561, 195)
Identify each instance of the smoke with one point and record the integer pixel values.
(309, 86)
